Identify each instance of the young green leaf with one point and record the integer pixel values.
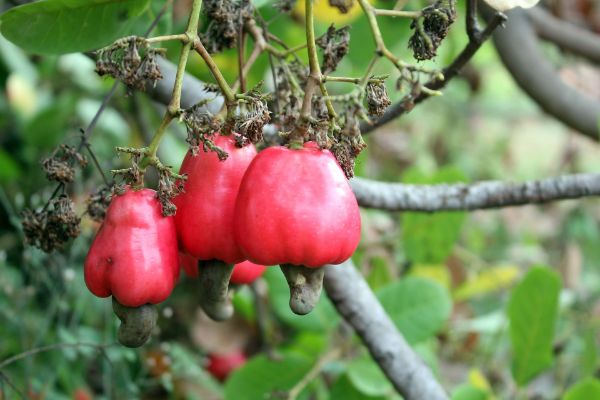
(586, 389)
(68, 26)
(419, 307)
(532, 310)
(429, 239)
(264, 378)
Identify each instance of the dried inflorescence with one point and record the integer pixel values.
(249, 123)
(335, 44)
(132, 61)
(59, 167)
(225, 17)
(349, 142)
(287, 93)
(284, 6)
(437, 19)
(52, 227)
(132, 175)
(201, 125)
(343, 5)
(98, 203)
(377, 98)
(168, 188)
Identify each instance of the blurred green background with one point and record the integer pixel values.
(450, 281)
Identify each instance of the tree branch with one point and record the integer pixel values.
(565, 35)
(462, 197)
(355, 301)
(519, 50)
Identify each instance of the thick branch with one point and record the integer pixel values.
(355, 301)
(565, 35)
(482, 195)
(519, 49)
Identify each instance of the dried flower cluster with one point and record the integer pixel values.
(50, 228)
(427, 37)
(132, 61)
(377, 98)
(335, 44)
(343, 5)
(225, 17)
(168, 188)
(201, 125)
(59, 167)
(98, 203)
(253, 116)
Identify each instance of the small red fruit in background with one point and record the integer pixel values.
(134, 255)
(295, 206)
(205, 210)
(246, 272)
(221, 365)
(189, 264)
(243, 273)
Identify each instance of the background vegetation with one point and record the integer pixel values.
(501, 304)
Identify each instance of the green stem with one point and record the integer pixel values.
(216, 73)
(182, 37)
(397, 13)
(314, 78)
(174, 106)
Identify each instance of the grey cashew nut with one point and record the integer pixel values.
(214, 289)
(137, 323)
(305, 286)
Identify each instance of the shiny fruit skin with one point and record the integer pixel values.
(246, 272)
(204, 217)
(134, 256)
(295, 206)
(221, 365)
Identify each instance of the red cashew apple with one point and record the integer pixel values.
(134, 256)
(243, 273)
(295, 206)
(221, 365)
(204, 215)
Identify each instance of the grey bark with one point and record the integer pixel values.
(519, 49)
(567, 36)
(355, 301)
(481, 195)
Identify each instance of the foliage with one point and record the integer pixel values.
(446, 280)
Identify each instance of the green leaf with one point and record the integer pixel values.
(367, 377)
(419, 307)
(380, 273)
(260, 377)
(468, 392)
(9, 169)
(532, 310)
(429, 239)
(322, 318)
(344, 389)
(68, 26)
(586, 389)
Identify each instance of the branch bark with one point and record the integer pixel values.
(565, 35)
(477, 196)
(519, 50)
(355, 301)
